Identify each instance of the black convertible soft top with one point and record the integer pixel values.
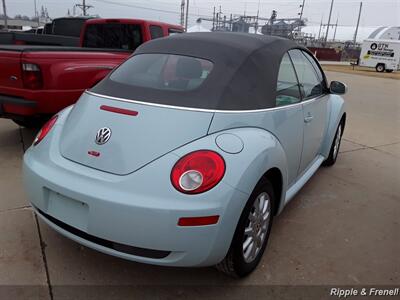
(244, 75)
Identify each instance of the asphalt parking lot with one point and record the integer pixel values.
(343, 228)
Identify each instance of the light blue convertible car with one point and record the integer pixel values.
(183, 155)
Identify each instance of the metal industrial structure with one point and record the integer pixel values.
(284, 27)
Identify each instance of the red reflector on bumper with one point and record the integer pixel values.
(119, 110)
(198, 221)
(94, 153)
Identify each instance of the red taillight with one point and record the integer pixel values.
(45, 130)
(198, 172)
(198, 221)
(32, 76)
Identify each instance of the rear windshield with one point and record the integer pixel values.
(113, 36)
(163, 72)
(68, 27)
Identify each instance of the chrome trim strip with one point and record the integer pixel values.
(200, 109)
(89, 67)
(194, 109)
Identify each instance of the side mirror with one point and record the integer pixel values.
(338, 88)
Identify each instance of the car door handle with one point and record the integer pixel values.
(308, 119)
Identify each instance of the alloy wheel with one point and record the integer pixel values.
(257, 227)
(337, 141)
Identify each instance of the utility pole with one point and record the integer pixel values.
(301, 16)
(320, 27)
(334, 34)
(5, 15)
(213, 26)
(84, 7)
(358, 23)
(258, 15)
(183, 13)
(329, 22)
(301, 12)
(187, 15)
(36, 13)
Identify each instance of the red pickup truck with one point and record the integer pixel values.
(38, 81)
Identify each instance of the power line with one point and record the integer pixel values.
(139, 6)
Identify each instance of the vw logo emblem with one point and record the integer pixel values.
(103, 136)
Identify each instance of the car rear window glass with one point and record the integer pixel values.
(48, 28)
(163, 72)
(287, 88)
(113, 36)
(68, 26)
(156, 32)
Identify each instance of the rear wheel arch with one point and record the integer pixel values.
(343, 121)
(274, 175)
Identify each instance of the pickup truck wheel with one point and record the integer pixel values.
(333, 153)
(252, 232)
(388, 71)
(31, 122)
(380, 68)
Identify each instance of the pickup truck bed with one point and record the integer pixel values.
(37, 81)
(17, 38)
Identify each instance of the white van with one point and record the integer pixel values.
(383, 55)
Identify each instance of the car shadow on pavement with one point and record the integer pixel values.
(27, 136)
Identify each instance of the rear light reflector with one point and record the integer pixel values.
(119, 110)
(94, 153)
(198, 221)
(45, 130)
(32, 76)
(198, 172)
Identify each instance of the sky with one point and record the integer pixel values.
(375, 13)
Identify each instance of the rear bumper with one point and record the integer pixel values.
(16, 101)
(19, 107)
(134, 216)
(90, 240)
(23, 102)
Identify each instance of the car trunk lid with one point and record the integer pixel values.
(140, 133)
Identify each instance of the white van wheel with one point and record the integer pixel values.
(380, 68)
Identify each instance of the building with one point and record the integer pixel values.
(16, 24)
(386, 33)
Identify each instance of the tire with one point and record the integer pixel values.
(380, 68)
(388, 71)
(333, 153)
(31, 122)
(236, 264)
